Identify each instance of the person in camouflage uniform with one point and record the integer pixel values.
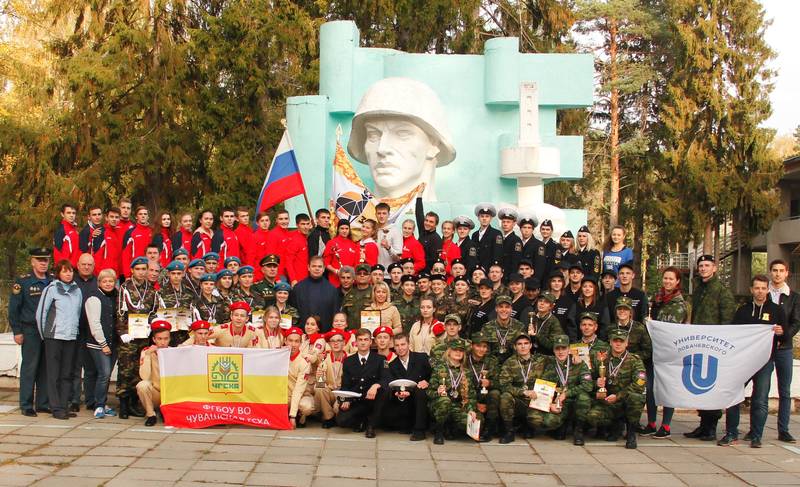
(712, 304)
(516, 381)
(501, 331)
(282, 290)
(441, 298)
(451, 397)
(638, 338)
(224, 292)
(459, 303)
(244, 289)
(191, 279)
(452, 329)
(574, 385)
(483, 371)
(407, 303)
(136, 296)
(266, 286)
(546, 326)
(205, 307)
(358, 297)
(587, 324)
(175, 296)
(625, 382)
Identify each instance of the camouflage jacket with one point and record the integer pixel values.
(489, 364)
(630, 378)
(168, 297)
(134, 298)
(409, 311)
(353, 302)
(518, 375)
(442, 374)
(712, 303)
(501, 338)
(638, 339)
(579, 379)
(547, 328)
(438, 350)
(254, 299)
(673, 312)
(207, 310)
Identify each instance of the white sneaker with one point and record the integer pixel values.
(99, 413)
(110, 412)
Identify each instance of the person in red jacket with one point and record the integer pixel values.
(412, 249)
(162, 238)
(296, 254)
(91, 236)
(450, 251)
(66, 242)
(368, 249)
(182, 239)
(225, 242)
(201, 239)
(340, 251)
(258, 244)
(125, 208)
(136, 239)
(244, 233)
(110, 254)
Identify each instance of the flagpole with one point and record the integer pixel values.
(305, 196)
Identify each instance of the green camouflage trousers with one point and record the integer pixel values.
(574, 407)
(492, 401)
(128, 366)
(178, 337)
(445, 410)
(629, 409)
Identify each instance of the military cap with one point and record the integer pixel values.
(207, 278)
(292, 331)
(159, 325)
(532, 283)
(463, 221)
(576, 265)
(456, 261)
(526, 262)
(393, 266)
(457, 344)
(40, 252)
(407, 260)
(271, 259)
(480, 337)
(200, 325)
(378, 267)
(589, 278)
(223, 273)
(496, 263)
(232, 259)
(507, 213)
(180, 251)
(245, 269)
(624, 302)
(382, 329)
(548, 296)
(437, 328)
(452, 317)
(626, 265)
(138, 261)
(437, 277)
(461, 279)
(706, 258)
(240, 305)
(587, 315)
(282, 286)
(546, 223)
(617, 334)
(583, 229)
(423, 275)
(560, 341)
(521, 336)
(363, 267)
(527, 219)
(485, 209)
(609, 272)
(503, 299)
(211, 256)
(336, 331)
(408, 278)
(567, 234)
(174, 266)
(197, 263)
(485, 283)
(556, 273)
(477, 267)
(516, 277)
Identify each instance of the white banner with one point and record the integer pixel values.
(706, 366)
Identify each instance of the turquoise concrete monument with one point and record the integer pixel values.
(473, 127)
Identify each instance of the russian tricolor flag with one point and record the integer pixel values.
(283, 179)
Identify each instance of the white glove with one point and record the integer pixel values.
(126, 338)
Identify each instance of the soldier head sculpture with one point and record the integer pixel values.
(400, 131)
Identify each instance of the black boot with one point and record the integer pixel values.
(697, 432)
(508, 436)
(630, 437)
(124, 407)
(560, 433)
(486, 433)
(438, 434)
(710, 432)
(613, 431)
(135, 409)
(151, 421)
(577, 434)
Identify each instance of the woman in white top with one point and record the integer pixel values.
(422, 336)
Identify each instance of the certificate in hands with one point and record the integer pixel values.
(582, 351)
(545, 392)
(138, 325)
(370, 319)
(473, 427)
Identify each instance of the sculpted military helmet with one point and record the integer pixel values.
(408, 98)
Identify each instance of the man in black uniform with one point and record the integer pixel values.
(532, 249)
(469, 252)
(512, 244)
(488, 239)
(361, 373)
(409, 409)
(641, 308)
(25, 294)
(547, 251)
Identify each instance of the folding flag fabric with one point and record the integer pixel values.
(206, 386)
(283, 180)
(706, 366)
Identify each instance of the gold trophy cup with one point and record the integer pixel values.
(601, 372)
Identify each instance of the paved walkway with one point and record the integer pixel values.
(112, 452)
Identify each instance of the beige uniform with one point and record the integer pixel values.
(390, 316)
(299, 400)
(149, 388)
(225, 336)
(421, 338)
(324, 400)
(271, 340)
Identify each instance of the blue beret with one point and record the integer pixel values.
(175, 266)
(138, 261)
(245, 269)
(211, 256)
(197, 263)
(207, 278)
(180, 251)
(233, 259)
(282, 286)
(223, 273)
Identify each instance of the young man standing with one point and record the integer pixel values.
(320, 234)
(225, 241)
(136, 239)
(638, 298)
(66, 241)
(487, 239)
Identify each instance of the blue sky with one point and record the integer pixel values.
(782, 37)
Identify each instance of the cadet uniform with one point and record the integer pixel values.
(169, 298)
(254, 299)
(225, 336)
(451, 410)
(266, 286)
(626, 378)
(300, 402)
(22, 303)
(408, 309)
(517, 376)
(512, 244)
(547, 252)
(547, 328)
(590, 259)
(638, 338)
(469, 251)
(149, 386)
(353, 302)
(331, 369)
(500, 337)
(489, 243)
(488, 367)
(439, 349)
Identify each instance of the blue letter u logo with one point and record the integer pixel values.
(692, 374)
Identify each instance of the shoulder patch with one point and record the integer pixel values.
(587, 376)
(541, 250)
(641, 375)
(518, 247)
(16, 288)
(473, 252)
(499, 240)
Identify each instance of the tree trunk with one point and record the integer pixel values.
(614, 133)
(708, 238)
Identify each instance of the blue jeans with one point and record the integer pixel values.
(732, 415)
(104, 365)
(759, 404)
(783, 369)
(84, 373)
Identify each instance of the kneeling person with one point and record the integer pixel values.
(149, 387)
(451, 396)
(483, 369)
(517, 379)
(200, 331)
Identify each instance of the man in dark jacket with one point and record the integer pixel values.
(315, 295)
(361, 373)
(320, 234)
(430, 240)
(486, 238)
(87, 284)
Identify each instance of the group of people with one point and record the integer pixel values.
(501, 328)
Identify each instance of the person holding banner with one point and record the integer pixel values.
(149, 387)
(763, 311)
(199, 336)
(237, 332)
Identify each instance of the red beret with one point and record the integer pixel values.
(316, 336)
(159, 325)
(335, 332)
(293, 330)
(240, 305)
(438, 328)
(382, 329)
(201, 325)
